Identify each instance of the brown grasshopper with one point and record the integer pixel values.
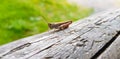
(59, 26)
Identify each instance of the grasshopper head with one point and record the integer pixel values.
(50, 25)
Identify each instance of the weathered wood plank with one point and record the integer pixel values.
(113, 52)
(82, 40)
(7, 47)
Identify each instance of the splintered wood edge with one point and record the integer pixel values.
(83, 40)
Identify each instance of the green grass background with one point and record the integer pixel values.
(22, 18)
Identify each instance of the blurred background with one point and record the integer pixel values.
(23, 18)
(97, 5)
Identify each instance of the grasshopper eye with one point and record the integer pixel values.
(70, 21)
(50, 25)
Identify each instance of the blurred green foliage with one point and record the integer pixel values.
(21, 18)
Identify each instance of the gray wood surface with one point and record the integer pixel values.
(84, 39)
(113, 52)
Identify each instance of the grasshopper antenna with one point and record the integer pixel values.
(44, 16)
(45, 19)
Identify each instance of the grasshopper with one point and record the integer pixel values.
(59, 26)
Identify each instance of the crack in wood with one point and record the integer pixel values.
(67, 56)
(41, 51)
(105, 46)
(99, 22)
(73, 51)
(115, 18)
(19, 48)
(49, 57)
(90, 28)
(80, 44)
(16, 49)
(92, 45)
